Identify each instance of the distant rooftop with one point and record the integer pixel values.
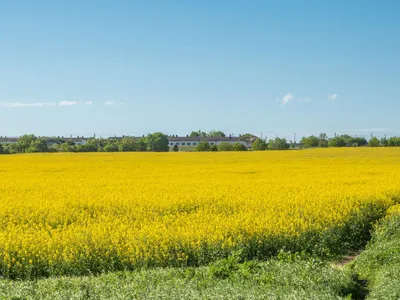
(208, 138)
(4, 139)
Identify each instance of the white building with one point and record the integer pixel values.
(216, 140)
(8, 140)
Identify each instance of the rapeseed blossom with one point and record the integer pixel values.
(82, 213)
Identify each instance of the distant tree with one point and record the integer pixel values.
(311, 141)
(1, 149)
(216, 133)
(348, 140)
(142, 145)
(394, 141)
(37, 145)
(198, 133)
(175, 148)
(64, 147)
(91, 145)
(336, 142)
(384, 142)
(157, 142)
(358, 142)
(110, 147)
(259, 145)
(24, 142)
(239, 147)
(278, 144)
(194, 134)
(203, 146)
(323, 136)
(225, 147)
(323, 140)
(353, 141)
(10, 148)
(127, 144)
(214, 148)
(323, 143)
(374, 142)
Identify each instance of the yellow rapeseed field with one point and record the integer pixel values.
(84, 213)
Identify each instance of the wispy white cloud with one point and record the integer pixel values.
(290, 98)
(25, 105)
(67, 103)
(44, 104)
(287, 98)
(112, 103)
(332, 97)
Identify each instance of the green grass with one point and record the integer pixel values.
(379, 264)
(287, 277)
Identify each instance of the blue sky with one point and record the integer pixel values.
(134, 67)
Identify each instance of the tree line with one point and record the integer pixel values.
(346, 140)
(29, 143)
(158, 142)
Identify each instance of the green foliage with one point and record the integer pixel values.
(227, 279)
(157, 142)
(92, 145)
(214, 148)
(198, 133)
(394, 141)
(203, 146)
(224, 268)
(216, 133)
(353, 141)
(239, 147)
(278, 144)
(224, 146)
(194, 134)
(353, 234)
(66, 147)
(311, 141)
(27, 143)
(323, 136)
(24, 142)
(259, 145)
(336, 142)
(175, 148)
(346, 140)
(110, 147)
(37, 145)
(374, 142)
(323, 140)
(384, 142)
(128, 144)
(360, 142)
(141, 145)
(8, 149)
(379, 264)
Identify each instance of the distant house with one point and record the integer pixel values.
(214, 140)
(50, 141)
(77, 141)
(8, 140)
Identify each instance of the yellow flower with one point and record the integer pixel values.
(134, 209)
